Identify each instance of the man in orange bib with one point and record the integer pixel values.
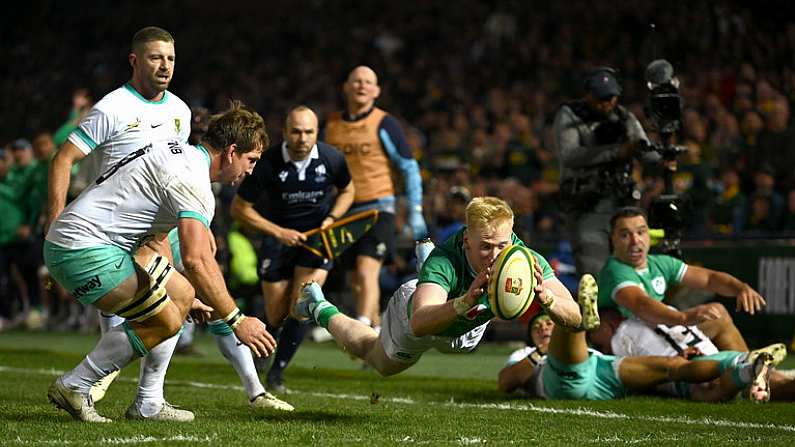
(374, 144)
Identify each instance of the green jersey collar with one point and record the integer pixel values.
(206, 153)
(137, 94)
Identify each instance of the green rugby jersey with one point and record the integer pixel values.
(661, 272)
(448, 267)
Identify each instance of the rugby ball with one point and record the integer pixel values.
(512, 283)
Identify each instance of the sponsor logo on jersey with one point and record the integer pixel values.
(134, 125)
(658, 284)
(90, 285)
(302, 197)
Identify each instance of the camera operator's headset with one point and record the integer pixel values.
(591, 77)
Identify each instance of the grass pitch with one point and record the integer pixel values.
(444, 400)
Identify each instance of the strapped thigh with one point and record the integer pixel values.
(150, 300)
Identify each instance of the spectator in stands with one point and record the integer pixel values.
(788, 225)
(766, 206)
(727, 215)
(27, 245)
(451, 219)
(12, 218)
(776, 142)
(81, 104)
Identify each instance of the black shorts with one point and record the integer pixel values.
(277, 262)
(379, 242)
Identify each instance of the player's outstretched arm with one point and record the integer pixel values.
(433, 312)
(724, 284)
(647, 308)
(58, 179)
(203, 272)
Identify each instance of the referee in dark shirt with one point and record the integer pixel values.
(296, 186)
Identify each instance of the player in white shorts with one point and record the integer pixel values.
(89, 250)
(635, 283)
(400, 345)
(447, 308)
(637, 337)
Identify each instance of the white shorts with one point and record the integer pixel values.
(401, 346)
(635, 337)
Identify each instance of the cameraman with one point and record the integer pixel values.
(596, 140)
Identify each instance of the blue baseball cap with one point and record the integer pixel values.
(602, 84)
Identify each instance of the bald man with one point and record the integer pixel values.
(299, 184)
(373, 143)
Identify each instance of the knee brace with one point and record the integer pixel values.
(150, 300)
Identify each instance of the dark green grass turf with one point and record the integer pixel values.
(444, 400)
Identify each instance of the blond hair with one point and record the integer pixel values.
(488, 212)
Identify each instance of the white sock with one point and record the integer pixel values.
(240, 356)
(112, 352)
(153, 374)
(107, 321)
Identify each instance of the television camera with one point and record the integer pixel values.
(664, 107)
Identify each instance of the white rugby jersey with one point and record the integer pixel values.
(123, 121)
(141, 195)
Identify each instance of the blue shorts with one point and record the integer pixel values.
(277, 262)
(593, 379)
(378, 242)
(88, 273)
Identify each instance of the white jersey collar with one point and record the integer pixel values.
(300, 165)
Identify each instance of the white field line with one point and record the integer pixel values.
(140, 439)
(506, 406)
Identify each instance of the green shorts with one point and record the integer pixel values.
(176, 254)
(88, 273)
(593, 379)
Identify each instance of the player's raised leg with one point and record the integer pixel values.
(569, 345)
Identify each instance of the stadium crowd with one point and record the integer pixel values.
(475, 87)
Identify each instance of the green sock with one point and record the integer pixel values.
(725, 359)
(219, 327)
(323, 313)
